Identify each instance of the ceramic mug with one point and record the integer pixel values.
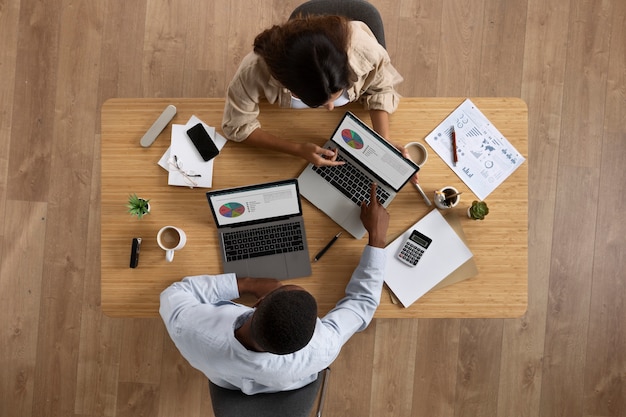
(171, 239)
(417, 153)
(442, 200)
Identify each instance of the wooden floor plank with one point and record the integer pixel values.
(542, 88)
(393, 369)
(502, 56)
(416, 61)
(461, 48)
(605, 367)
(434, 386)
(20, 295)
(478, 368)
(344, 393)
(35, 95)
(69, 191)
(9, 25)
(182, 383)
(578, 180)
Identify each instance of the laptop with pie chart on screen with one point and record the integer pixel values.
(261, 230)
(338, 191)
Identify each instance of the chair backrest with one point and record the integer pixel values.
(296, 403)
(360, 10)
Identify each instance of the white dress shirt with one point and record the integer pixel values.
(201, 320)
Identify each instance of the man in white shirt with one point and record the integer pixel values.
(279, 344)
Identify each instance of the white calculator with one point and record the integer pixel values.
(414, 247)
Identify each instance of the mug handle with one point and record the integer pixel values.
(169, 255)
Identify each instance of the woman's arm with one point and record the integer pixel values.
(316, 155)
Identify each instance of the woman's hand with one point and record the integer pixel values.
(319, 156)
(405, 153)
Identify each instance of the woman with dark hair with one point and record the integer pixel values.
(313, 61)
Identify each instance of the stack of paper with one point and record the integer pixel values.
(182, 160)
(444, 255)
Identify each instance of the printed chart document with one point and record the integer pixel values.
(444, 255)
(485, 157)
(182, 160)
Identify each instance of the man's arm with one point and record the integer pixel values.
(355, 311)
(194, 290)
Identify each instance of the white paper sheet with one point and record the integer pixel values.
(485, 157)
(443, 256)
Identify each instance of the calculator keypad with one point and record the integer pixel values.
(410, 253)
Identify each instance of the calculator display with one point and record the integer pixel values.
(420, 239)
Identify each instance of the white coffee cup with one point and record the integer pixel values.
(170, 239)
(417, 153)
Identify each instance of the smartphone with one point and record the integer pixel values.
(412, 250)
(203, 142)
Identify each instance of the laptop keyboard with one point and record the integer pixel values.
(263, 241)
(351, 182)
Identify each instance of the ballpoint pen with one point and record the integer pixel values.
(325, 248)
(455, 157)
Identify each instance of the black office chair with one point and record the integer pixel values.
(296, 403)
(360, 10)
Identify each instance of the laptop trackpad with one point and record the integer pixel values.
(273, 266)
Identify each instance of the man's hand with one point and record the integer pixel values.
(375, 218)
(258, 287)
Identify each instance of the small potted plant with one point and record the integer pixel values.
(138, 206)
(478, 210)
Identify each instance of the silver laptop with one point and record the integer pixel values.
(338, 191)
(261, 230)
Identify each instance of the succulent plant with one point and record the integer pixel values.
(138, 206)
(478, 210)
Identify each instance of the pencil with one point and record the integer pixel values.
(455, 157)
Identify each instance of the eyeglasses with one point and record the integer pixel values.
(177, 165)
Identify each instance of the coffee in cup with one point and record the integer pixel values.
(170, 239)
(417, 153)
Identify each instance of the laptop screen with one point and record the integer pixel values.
(363, 144)
(255, 203)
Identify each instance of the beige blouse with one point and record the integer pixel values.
(373, 79)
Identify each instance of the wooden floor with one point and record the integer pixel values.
(60, 59)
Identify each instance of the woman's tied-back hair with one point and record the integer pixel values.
(284, 321)
(308, 55)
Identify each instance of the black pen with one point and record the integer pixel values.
(323, 251)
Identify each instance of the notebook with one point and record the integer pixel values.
(261, 230)
(338, 191)
(445, 254)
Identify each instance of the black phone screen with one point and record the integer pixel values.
(203, 142)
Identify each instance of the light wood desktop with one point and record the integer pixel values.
(499, 243)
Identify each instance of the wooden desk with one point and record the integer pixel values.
(499, 243)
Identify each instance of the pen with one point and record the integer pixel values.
(323, 251)
(454, 155)
(424, 196)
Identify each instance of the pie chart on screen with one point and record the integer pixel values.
(352, 138)
(232, 210)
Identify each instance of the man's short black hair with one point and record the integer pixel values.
(284, 321)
